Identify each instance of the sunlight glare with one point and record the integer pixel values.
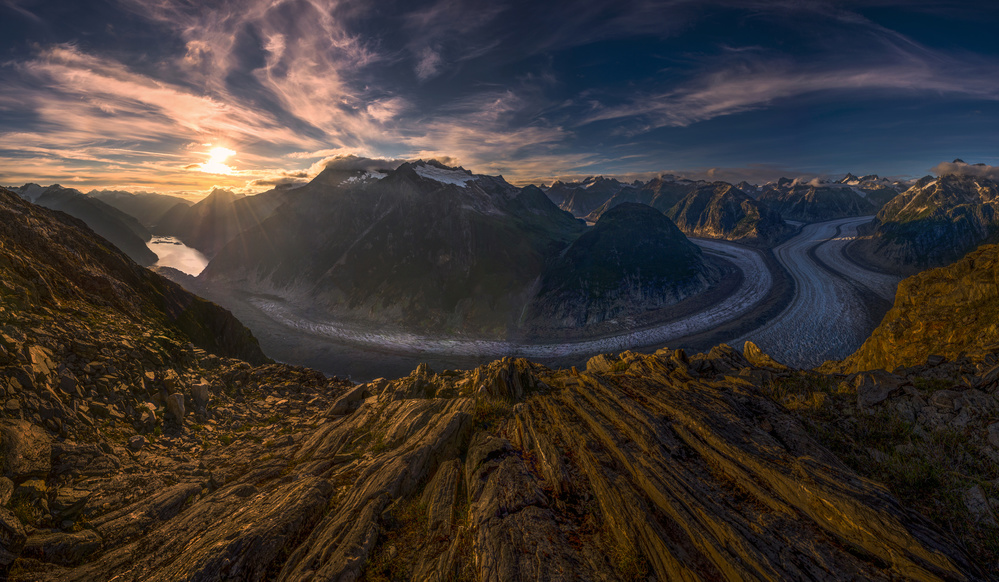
(216, 161)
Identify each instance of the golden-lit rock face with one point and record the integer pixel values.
(946, 311)
(660, 465)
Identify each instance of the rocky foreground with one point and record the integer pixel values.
(137, 445)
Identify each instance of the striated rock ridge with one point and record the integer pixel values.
(946, 311)
(667, 466)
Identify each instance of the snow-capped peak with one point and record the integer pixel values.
(443, 175)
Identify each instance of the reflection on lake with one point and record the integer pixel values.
(173, 253)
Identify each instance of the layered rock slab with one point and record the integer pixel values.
(666, 466)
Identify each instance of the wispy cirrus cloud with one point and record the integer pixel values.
(733, 91)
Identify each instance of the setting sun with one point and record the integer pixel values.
(216, 161)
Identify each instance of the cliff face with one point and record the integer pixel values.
(945, 311)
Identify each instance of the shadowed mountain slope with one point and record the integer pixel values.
(121, 229)
(147, 207)
(220, 217)
(633, 259)
(808, 203)
(52, 260)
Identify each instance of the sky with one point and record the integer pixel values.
(182, 95)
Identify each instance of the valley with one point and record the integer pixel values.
(828, 314)
(832, 311)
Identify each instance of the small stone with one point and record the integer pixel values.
(935, 360)
(994, 434)
(136, 443)
(978, 505)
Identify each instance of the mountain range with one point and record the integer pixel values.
(144, 436)
(435, 248)
(219, 217)
(147, 207)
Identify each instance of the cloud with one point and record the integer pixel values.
(743, 89)
(961, 168)
(352, 162)
(428, 64)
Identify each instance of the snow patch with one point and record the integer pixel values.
(443, 176)
(364, 177)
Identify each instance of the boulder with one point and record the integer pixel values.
(994, 434)
(175, 406)
(136, 443)
(200, 395)
(6, 490)
(874, 388)
(26, 450)
(348, 402)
